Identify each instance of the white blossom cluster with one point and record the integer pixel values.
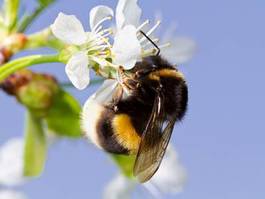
(93, 49)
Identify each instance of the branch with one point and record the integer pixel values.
(24, 62)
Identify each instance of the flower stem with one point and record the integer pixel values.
(15, 65)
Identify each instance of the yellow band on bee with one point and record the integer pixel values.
(125, 133)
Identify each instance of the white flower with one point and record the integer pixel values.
(129, 44)
(169, 179)
(119, 188)
(92, 46)
(11, 162)
(9, 194)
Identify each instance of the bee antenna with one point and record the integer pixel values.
(150, 40)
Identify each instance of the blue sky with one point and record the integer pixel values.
(221, 140)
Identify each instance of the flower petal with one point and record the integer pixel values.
(69, 29)
(78, 71)
(171, 176)
(9, 194)
(105, 92)
(126, 47)
(119, 187)
(11, 162)
(127, 13)
(97, 14)
(181, 50)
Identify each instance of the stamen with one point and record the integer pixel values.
(99, 40)
(151, 30)
(104, 31)
(143, 25)
(101, 37)
(98, 29)
(100, 22)
(147, 43)
(97, 47)
(107, 32)
(164, 45)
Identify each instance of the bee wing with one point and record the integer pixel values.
(153, 144)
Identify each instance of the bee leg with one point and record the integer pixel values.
(117, 96)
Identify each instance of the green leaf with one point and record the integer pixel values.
(35, 146)
(64, 116)
(11, 8)
(125, 163)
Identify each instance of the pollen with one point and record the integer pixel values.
(125, 133)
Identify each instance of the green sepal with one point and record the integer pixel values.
(125, 164)
(63, 117)
(66, 53)
(35, 146)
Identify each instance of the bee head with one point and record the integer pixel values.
(137, 80)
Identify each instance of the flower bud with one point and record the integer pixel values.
(35, 91)
(5, 55)
(10, 45)
(14, 82)
(15, 42)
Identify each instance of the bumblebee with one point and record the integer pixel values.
(139, 117)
